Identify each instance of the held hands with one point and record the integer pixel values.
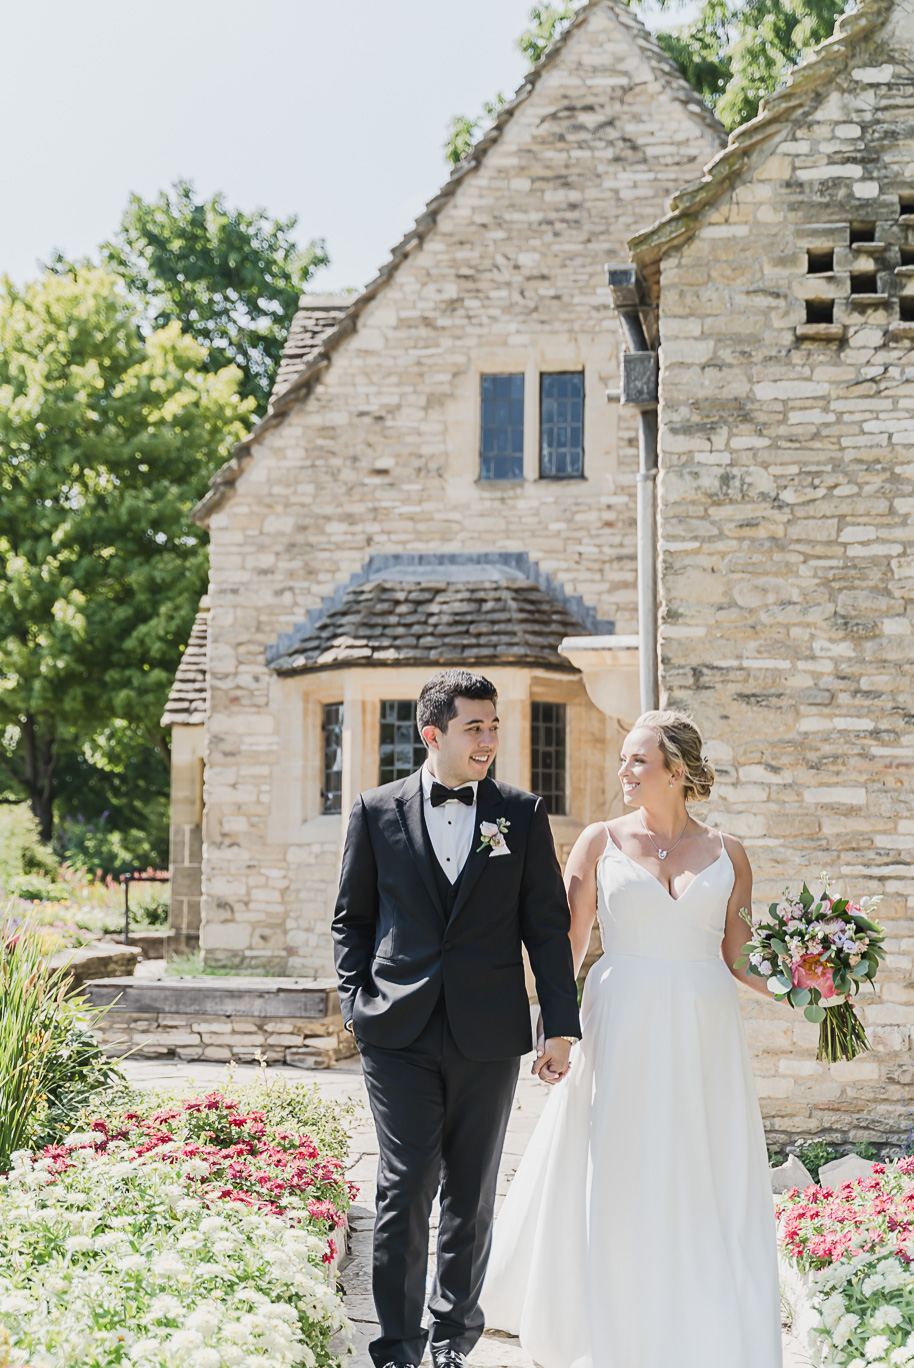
(552, 1056)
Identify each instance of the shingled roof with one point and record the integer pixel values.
(300, 386)
(317, 316)
(402, 622)
(186, 706)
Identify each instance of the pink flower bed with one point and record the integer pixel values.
(230, 1156)
(821, 1226)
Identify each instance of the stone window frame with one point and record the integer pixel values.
(555, 796)
(332, 799)
(418, 747)
(595, 354)
(545, 375)
(512, 456)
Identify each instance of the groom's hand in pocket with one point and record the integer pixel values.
(552, 1059)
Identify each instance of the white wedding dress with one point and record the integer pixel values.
(639, 1229)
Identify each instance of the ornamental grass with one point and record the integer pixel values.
(50, 1063)
(856, 1244)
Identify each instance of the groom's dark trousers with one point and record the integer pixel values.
(431, 977)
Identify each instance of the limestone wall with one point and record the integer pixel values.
(185, 843)
(383, 455)
(787, 568)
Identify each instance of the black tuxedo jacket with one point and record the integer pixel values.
(396, 948)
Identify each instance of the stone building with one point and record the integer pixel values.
(441, 480)
(784, 279)
(411, 473)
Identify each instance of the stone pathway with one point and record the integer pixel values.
(344, 1083)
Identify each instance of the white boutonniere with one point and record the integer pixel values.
(492, 834)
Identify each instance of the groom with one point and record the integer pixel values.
(445, 876)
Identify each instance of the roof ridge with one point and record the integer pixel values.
(825, 60)
(298, 389)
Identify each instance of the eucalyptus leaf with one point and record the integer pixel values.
(779, 945)
(815, 1013)
(863, 970)
(800, 997)
(778, 985)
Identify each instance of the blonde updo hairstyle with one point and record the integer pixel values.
(680, 744)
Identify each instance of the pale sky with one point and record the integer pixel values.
(335, 110)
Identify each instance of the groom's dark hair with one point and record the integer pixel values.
(438, 700)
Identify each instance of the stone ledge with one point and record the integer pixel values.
(96, 962)
(281, 1021)
(201, 996)
(820, 332)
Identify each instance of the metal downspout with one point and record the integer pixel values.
(638, 374)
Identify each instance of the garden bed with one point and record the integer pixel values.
(197, 1231)
(847, 1258)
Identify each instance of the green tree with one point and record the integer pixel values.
(733, 52)
(231, 279)
(107, 439)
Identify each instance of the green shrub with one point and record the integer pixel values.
(150, 910)
(22, 851)
(49, 1061)
(35, 888)
(90, 847)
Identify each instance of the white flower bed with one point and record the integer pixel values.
(113, 1261)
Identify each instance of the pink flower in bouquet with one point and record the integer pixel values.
(810, 972)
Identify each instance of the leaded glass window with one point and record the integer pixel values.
(332, 788)
(402, 750)
(562, 425)
(501, 437)
(547, 743)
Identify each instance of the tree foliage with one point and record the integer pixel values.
(733, 52)
(107, 438)
(231, 279)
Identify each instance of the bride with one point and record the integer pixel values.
(639, 1229)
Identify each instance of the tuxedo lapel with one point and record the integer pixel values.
(409, 811)
(490, 805)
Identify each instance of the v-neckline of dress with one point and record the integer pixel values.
(653, 877)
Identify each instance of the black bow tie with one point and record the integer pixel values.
(440, 795)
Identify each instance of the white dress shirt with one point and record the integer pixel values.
(451, 826)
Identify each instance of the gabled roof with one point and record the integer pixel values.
(824, 63)
(317, 362)
(399, 622)
(317, 316)
(186, 706)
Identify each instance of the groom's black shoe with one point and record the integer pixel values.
(443, 1356)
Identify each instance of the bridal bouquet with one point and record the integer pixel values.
(815, 952)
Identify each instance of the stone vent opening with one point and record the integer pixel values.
(864, 283)
(820, 311)
(907, 256)
(905, 205)
(906, 308)
(820, 260)
(864, 230)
